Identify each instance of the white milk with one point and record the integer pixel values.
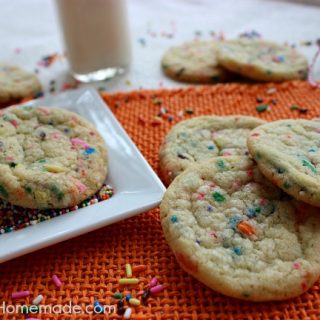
(96, 37)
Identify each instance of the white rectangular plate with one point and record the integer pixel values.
(136, 187)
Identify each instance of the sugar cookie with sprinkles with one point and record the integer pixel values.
(194, 62)
(202, 138)
(262, 60)
(288, 153)
(238, 234)
(49, 158)
(16, 84)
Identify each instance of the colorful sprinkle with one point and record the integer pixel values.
(220, 164)
(262, 107)
(296, 265)
(189, 111)
(120, 303)
(117, 295)
(278, 59)
(156, 289)
(233, 222)
(252, 212)
(48, 60)
(250, 172)
(174, 219)
(20, 294)
(156, 121)
(300, 109)
(200, 196)
(145, 295)
(210, 147)
(308, 164)
(237, 251)
(89, 151)
(217, 196)
(271, 90)
(127, 313)
(181, 156)
(81, 187)
(245, 228)
(37, 300)
(153, 282)
(128, 270)
(259, 99)
(255, 134)
(54, 168)
(57, 192)
(250, 34)
(313, 149)
(128, 297)
(80, 142)
(56, 281)
(120, 310)
(134, 301)
(128, 281)
(142, 41)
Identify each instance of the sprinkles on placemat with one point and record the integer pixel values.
(185, 297)
(16, 218)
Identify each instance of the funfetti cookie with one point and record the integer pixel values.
(194, 62)
(262, 60)
(203, 138)
(288, 153)
(49, 158)
(16, 84)
(238, 234)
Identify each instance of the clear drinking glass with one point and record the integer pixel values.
(96, 37)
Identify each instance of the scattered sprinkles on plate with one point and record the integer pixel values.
(15, 218)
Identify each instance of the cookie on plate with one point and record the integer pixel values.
(262, 60)
(49, 157)
(288, 153)
(194, 62)
(238, 234)
(202, 138)
(16, 84)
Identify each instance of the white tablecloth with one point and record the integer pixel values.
(29, 31)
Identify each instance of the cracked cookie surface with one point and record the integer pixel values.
(238, 234)
(202, 138)
(49, 157)
(288, 153)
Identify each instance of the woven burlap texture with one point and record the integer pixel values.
(90, 266)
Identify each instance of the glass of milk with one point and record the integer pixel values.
(96, 37)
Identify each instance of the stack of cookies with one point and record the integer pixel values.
(242, 213)
(220, 61)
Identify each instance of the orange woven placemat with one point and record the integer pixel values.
(89, 266)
